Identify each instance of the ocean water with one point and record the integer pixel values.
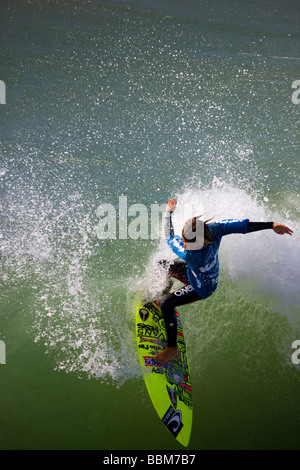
(146, 100)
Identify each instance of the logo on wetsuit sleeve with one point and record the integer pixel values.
(172, 419)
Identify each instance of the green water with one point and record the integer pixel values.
(146, 100)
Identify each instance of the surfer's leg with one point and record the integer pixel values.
(183, 296)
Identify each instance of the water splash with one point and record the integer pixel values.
(83, 309)
(263, 262)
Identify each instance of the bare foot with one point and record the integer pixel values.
(166, 355)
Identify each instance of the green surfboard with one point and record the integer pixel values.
(169, 385)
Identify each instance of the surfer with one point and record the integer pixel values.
(198, 247)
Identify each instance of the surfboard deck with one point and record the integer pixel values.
(169, 385)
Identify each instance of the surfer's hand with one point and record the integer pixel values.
(166, 355)
(171, 206)
(282, 229)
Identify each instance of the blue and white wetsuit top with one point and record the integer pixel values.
(203, 264)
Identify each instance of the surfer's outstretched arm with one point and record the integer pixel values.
(170, 208)
(280, 229)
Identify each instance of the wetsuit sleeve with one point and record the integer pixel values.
(257, 226)
(174, 241)
(176, 245)
(168, 225)
(229, 226)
